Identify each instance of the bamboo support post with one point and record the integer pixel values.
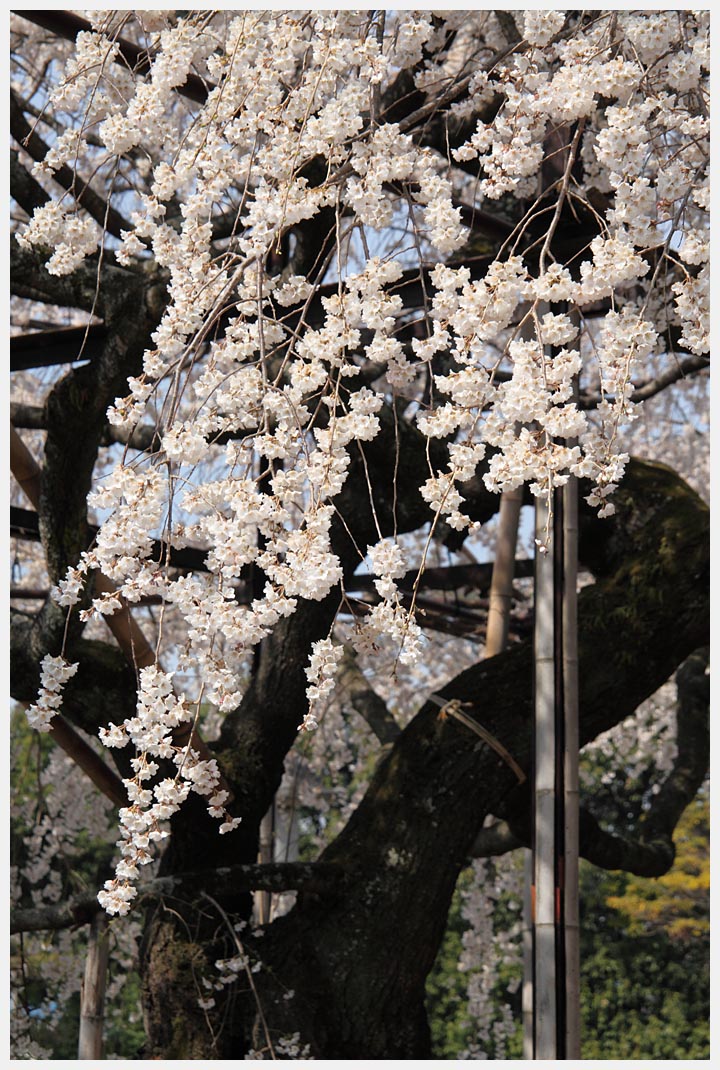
(501, 586)
(92, 991)
(545, 997)
(527, 955)
(571, 804)
(263, 899)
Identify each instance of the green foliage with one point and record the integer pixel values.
(679, 902)
(644, 956)
(645, 982)
(36, 959)
(446, 988)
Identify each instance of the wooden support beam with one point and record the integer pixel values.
(62, 345)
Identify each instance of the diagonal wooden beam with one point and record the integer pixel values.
(63, 345)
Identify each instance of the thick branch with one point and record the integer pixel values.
(138, 438)
(61, 345)
(315, 877)
(25, 189)
(30, 278)
(412, 833)
(497, 839)
(693, 748)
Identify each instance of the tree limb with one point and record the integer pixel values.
(648, 388)
(30, 278)
(414, 828)
(497, 839)
(137, 438)
(315, 877)
(651, 852)
(25, 189)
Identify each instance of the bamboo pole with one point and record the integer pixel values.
(527, 955)
(571, 786)
(545, 995)
(501, 586)
(498, 627)
(92, 990)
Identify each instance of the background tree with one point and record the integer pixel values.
(318, 278)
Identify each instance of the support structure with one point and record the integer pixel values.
(555, 922)
(571, 787)
(545, 1001)
(92, 992)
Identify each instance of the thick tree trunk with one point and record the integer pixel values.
(356, 961)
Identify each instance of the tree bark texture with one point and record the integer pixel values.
(356, 959)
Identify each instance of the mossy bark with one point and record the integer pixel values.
(356, 960)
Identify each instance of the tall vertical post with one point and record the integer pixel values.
(527, 956)
(501, 585)
(92, 991)
(544, 795)
(571, 807)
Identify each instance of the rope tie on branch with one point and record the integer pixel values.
(454, 708)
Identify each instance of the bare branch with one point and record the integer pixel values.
(648, 388)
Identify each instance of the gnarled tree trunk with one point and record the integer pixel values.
(356, 959)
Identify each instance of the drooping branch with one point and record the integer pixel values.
(68, 25)
(98, 207)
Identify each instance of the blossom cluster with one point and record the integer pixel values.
(54, 674)
(276, 362)
(159, 712)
